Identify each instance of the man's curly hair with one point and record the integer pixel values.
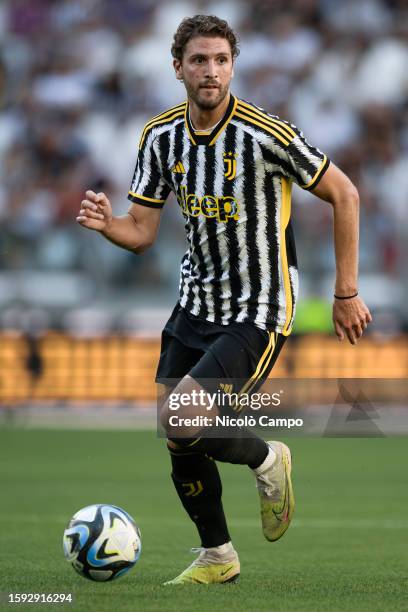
(202, 25)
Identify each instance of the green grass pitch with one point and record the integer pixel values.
(347, 548)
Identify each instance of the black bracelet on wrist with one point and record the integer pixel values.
(345, 297)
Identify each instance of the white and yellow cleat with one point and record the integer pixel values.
(275, 491)
(219, 565)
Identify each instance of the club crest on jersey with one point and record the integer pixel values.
(230, 163)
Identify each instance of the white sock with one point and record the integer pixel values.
(267, 463)
(223, 549)
(221, 554)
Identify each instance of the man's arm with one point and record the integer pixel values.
(350, 316)
(135, 231)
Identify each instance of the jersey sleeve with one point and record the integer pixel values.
(305, 164)
(148, 187)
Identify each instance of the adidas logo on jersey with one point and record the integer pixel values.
(178, 168)
(226, 388)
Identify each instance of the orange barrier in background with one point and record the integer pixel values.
(60, 367)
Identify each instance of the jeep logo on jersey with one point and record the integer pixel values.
(230, 163)
(221, 208)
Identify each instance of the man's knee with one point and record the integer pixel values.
(179, 445)
(181, 413)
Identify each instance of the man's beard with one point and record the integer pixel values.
(204, 104)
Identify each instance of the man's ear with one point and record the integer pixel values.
(177, 69)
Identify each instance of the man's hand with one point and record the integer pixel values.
(350, 318)
(96, 211)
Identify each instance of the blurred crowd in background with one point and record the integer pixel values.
(78, 79)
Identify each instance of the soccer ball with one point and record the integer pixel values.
(102, 542)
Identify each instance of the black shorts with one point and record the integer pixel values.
(239, 355)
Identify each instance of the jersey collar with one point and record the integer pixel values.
(210, 139)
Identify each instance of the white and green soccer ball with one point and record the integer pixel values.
(102, 542)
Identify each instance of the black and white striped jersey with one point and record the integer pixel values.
(233, 187)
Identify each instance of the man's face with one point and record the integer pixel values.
(206, 69)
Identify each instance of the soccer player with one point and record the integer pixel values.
(231, 165)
